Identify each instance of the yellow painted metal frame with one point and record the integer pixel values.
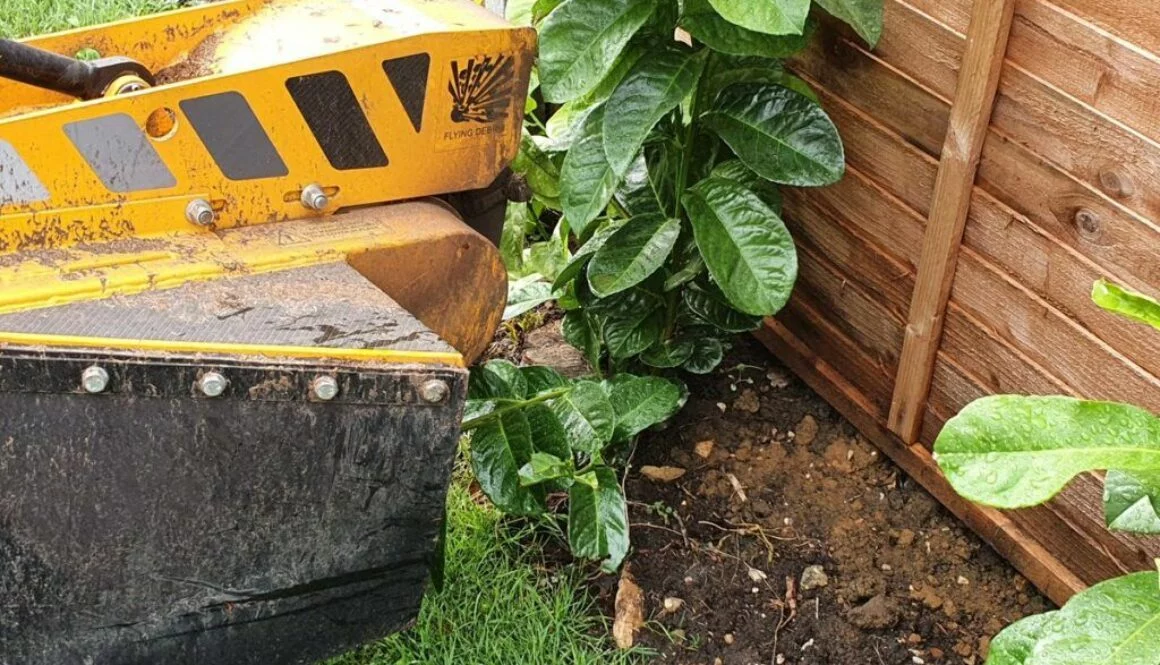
(424, 163)
(87, 243)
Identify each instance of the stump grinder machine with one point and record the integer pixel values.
(244, 262)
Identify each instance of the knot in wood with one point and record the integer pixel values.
(1088, 223)
(1116, 184)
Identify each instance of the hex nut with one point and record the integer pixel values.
(95, 380)
(213, 384)
(314, 198)
(325, 388)
(434, 391)
(200, 212)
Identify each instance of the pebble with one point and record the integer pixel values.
(728, 638)
(747, 402)
(662, 474)
(673, 604)
(704, 448)
(878, 613)
(905, 538)
(814, 577)
(806, 431)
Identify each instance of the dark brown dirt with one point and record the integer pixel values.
(789, 484)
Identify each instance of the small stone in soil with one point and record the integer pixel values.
(905, 538)
(878, 613)
(728, 638)
(806, 431)
(747, 402)
(814, 577)
(673, 604)
(662, 474)
(704, 448)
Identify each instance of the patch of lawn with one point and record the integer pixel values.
(500, 605)
(22, 18)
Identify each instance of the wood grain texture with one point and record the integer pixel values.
(1137, 21)
(977, 83)
(1039, 564)
(1055, 270)
(1048, 154)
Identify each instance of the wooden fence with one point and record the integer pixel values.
(957, 256)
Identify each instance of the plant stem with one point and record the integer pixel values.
(469, 425)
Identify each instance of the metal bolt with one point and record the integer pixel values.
(200, 212)
(314, 198)
(213, 384)
(95, 380)
(325, 388)
(434, 391)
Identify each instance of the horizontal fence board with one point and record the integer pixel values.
(1081, 59)
(1137, 21)
(1055, 271)
(1124, 245)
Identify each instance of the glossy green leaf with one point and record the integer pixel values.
(709, 305)
(644, 189)
(736, 171)
(541, 379)
(580, 259)
(632, 253)
(1113, 623)
(865, 16)
(654, 86)
(774, 17)
(541, 9)
(537, 166)
(581, 39)
(497, 379)
(644, 401)
(526, 294)
(564, 126)
(519, 12)
(1127, 303)
(746, 247)
(668, 354)
(548, 435)
(708, 352)
(587, 180)
(707, 26)
(587, 416)
(689, 270)
(1013, 646)
(545, 468)
(1132, 501)
(580, 333)
(598, 518)
(632, 331)
(1011, 451)
(518, 223)
(499, 449)
(781, 134)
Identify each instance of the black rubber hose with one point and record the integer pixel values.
(43, 69)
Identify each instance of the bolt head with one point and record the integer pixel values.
(325, 388)
(213, 384)
(95, 380)
(434, 391)
(200, 212)
(314, 198)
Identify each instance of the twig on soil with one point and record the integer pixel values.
(737, 488)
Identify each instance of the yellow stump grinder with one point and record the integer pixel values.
(243, 266)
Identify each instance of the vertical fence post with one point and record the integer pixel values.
(970, 116)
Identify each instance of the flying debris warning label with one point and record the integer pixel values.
(482, 91)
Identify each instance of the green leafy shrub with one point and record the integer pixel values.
(1010, 451)
(535, 432)
(659, 167)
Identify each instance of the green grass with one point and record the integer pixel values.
(22, 18)
(500, 605)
